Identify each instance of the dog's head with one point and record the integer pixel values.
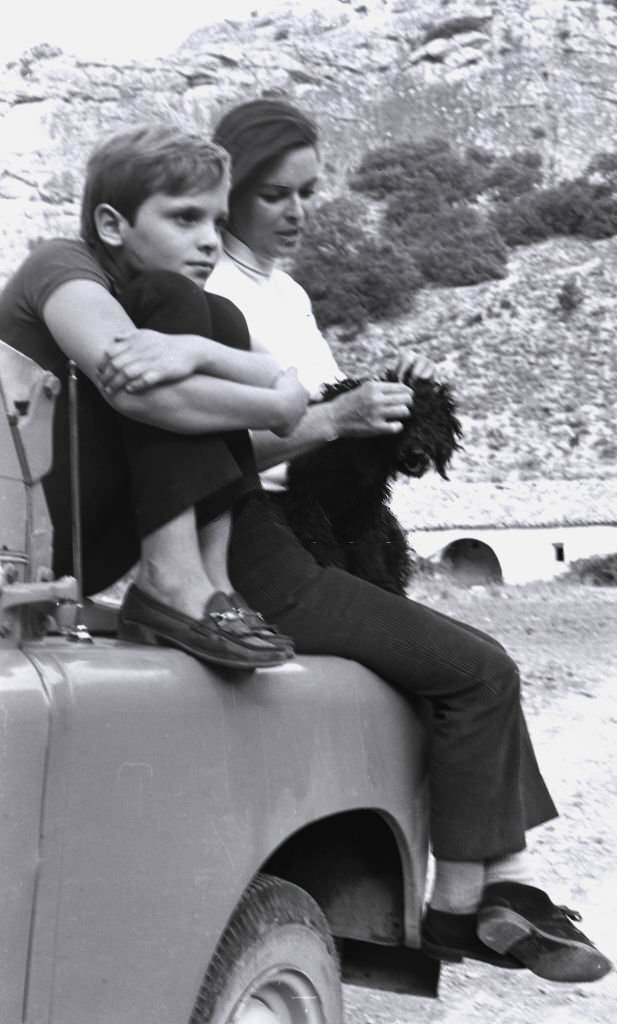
(432, 432)
(429, 437)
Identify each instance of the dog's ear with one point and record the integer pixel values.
(431, 433)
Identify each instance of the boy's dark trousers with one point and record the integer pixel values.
(136, 477)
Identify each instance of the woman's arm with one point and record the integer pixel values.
(315, 428)
(85, 319)
(375, 407)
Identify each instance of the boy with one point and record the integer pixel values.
(162, 462)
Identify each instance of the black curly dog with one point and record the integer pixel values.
(337, 497)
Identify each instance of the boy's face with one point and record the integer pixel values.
(179, 233)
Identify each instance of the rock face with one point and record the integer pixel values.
(519, 73)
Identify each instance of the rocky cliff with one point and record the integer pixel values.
(507, 74)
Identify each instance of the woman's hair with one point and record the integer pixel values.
(257, 134)
(133, 165)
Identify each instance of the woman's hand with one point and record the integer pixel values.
(409, 362)
(293, 402)
(375, 407)
(143, 359)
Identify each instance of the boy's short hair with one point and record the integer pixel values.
(133, 165)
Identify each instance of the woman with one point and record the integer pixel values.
(485, 785)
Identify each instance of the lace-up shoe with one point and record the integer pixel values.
(452, 938)
(521, 921)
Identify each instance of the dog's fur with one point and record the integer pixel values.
(337, 497)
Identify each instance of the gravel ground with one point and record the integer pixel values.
(565, 640)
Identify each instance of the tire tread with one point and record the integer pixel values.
(267, 901)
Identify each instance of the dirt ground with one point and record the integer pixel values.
(564, 637)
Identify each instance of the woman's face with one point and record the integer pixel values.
(270, 217)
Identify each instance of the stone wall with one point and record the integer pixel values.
(516, 73)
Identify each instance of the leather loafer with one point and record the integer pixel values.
(258, 625)
(521, 921)
(220, 637)
(452, 938)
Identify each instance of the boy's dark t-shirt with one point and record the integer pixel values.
(22, 302)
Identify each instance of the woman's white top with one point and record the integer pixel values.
(280, 320)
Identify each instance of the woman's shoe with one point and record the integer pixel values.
(452, 938)
(220, 637)
(258, 625)
(522, 921)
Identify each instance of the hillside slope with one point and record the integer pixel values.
(536, 384)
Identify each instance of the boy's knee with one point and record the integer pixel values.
(161, 284)
(170, 298)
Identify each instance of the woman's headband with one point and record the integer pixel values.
(257, 132)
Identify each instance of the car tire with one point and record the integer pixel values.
(276, 962)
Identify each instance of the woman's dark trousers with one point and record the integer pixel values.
(485, 785)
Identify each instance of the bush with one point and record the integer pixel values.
(578, 208)
(514, 175)
(479, 155)
(571, 293)
(429, 168)
(599, 219)
(599, 570)
(457, 247)
(603, 166)
(403, 207)
(571, 208)
(520, 222)
(349, 275)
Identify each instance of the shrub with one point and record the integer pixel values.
(480, 156)
(599, 570)
(424, 198)
(571, 208)
(514, 175)
(458, 247)
(429, 167)
(600, 217)
(604, 166)
(578, 208)
(520, 222)
(387, 169)
(571, 294)
(349, 275)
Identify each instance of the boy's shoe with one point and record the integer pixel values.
(521, 921)
(258, 625)
(220, 637)
(452, 938)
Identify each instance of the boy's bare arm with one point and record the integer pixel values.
(144, 358)
(85, 319)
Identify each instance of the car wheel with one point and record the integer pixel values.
(275, 964)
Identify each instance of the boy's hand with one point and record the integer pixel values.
(293, 402)
(143, 359)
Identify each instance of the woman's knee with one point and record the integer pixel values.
(503, 676)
